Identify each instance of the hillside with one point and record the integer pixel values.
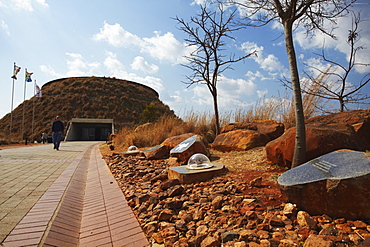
(84, 97)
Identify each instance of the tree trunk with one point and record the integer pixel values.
(217, 118)
(341, 103)
(300, 138)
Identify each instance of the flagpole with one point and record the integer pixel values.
(11, 109)
(24, 102)
(33, 108)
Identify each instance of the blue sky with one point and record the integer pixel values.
(139, 41)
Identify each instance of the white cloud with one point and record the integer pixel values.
(5, 27)
(232, 93)
(316, 41)
(47, 69)
(26, 5)
(161, 47)
(250, 10)
(166, 47)
(250, 47)
(340, 44)
(116, 69)
(257, 75)
(318, 64)
(262, 93)
(331, 81)
(22, 5)
(115, 35)
(112, 63)
(42, 2)
(269, 62)
(139, 63)
(279, 44)
(277, 25)
(177, 98)
(199, 2)
(77, 66)
(233, 88)
(202, 96)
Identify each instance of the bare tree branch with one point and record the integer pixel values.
(338, 88)
(207, 32)
(309, 14)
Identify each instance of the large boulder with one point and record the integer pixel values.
(269, 127)
(156, 152)
(348, 117)
(320, 140)
(173, 141)
(239, 140)
(363, 132)
(192, 145)
(336, 184)
(359, 119)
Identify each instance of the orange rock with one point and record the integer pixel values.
(269, 127)
(239, 140)
(320, 140)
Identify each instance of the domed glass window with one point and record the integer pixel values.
(132, 148)
(199, 161)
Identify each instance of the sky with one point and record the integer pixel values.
(141, 42)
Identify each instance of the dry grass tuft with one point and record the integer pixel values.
(312, 104)
(152, 134)
(279, 108)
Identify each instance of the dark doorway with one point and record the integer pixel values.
(94, 133)
(81, 129)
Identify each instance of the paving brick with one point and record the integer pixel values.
(88, 242)
(65, 231)
(31, 225)
(126, 239)
(58, 242)
(22, 242)
(24, 236)
(94, 230)
(21, 230)
(93, 210)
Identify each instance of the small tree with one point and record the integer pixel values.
(206, 32)
(338, 88)
(309, 14)
(149, 114)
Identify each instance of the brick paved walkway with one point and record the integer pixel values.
(63, 198)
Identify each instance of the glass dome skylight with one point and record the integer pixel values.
(132, 148)
(199, 161)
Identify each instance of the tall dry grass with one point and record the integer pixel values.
(154, 133)
(312, 104)
(280, 108)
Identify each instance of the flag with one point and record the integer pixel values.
(16, 70)
(38, 91)
(28, 76)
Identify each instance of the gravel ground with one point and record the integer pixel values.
(243, 207)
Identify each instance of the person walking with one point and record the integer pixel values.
(44, 138)
(57, 129)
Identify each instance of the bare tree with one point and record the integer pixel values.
(309, 14)
(207, 32)
(338, 88)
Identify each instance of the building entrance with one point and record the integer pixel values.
(85, 129)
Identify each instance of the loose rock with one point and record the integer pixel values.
(223, 208)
